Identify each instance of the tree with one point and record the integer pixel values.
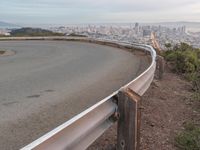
(185, 46)
(168, 46)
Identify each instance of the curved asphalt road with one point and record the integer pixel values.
(47, 82)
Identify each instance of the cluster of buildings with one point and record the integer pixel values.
(134, 33)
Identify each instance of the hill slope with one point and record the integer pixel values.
(8, 25)
(33, 32)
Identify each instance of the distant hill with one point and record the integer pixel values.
(33, 32)
(8, 25)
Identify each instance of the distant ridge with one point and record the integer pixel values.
(33, 32)
(8, 25)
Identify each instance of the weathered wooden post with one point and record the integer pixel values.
(161, 66)
(128, 132)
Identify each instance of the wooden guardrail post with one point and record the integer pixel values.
(161, 66)
(128, 132)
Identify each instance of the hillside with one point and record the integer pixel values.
(8, 25)
(33, 32)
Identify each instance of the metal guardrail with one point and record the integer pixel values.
(123, 105)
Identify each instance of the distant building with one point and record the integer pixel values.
(7, 34)
(183, 29)
(4, 32)
(137, 28)
(146, 32)
(136, 25)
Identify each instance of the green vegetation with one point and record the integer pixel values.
(168, 46)
(33, 32)
(185, 60)
(184, 57)
(189, 139)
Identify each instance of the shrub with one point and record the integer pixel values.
(196, 81)
(185, 58)
(189, 139)
(185, 47)
(196, 98)
(170, 55)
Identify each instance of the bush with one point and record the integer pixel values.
(196, 97)
(189, 139)
(196, 81)
(185, 58)
(170, 55)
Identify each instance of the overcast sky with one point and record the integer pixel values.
(98, 11)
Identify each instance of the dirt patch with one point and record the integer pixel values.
(167, 106)
(2, 52)
(7, 52)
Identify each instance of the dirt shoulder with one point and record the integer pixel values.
(6, 52)
(167, 106)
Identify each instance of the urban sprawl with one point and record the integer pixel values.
(147, 34)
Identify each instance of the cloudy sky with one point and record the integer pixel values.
(98, 11)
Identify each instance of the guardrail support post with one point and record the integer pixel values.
(161, 66)
(128, 132)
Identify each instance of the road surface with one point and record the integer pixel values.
(47, 82)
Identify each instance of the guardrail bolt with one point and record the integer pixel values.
(122, 144)
(115, 117)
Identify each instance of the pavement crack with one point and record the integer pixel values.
(33, 96)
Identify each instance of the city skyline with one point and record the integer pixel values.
(34, 12)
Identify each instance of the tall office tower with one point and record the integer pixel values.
(137, 28)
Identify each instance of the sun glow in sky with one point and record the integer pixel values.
(98, 11)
